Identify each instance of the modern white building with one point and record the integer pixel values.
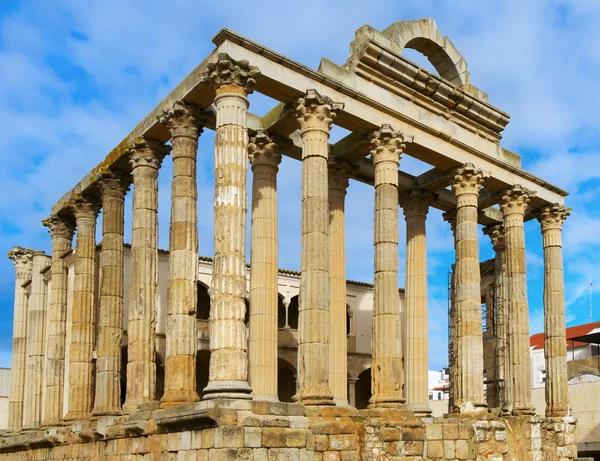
(4, 387)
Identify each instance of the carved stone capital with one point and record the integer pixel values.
(60, 226)
(338, 174)
(450, 217)
(515, 200)
(186, 120)
(85, 206)
(387, 144)
(496, 234)
(468, 179)
(316, 112)
(114, 182)
(416, 202)
(229, 75)
(553, 216)
(147, 152)
(23, 260)
(264, 150)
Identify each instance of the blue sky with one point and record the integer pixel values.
(76, 77)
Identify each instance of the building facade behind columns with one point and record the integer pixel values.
(67, 397)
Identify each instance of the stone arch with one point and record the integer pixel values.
(423, 35)
(280, 311)
(582, 372)
(203, 308)
(363, 389)
(293, 313)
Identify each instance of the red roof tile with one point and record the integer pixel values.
(537, 340)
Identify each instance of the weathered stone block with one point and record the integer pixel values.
(450, 431)
(252, 437)
(229, 437)
(273, 437)
(295, 438)
(284, 454)
(433, 431)
(449, 448)
(465, 450)
(321, 442)
(343, 442)
(435, 449)
(390, 434)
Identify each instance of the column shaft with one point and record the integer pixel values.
(513, 208)
(265, 158)
(22, 259)
(315, 115)
(110, 318)
(450, 217)
(467, 282)
(185, 123)
(81, 350)
(416, 207)
(387, 372)
(555, 350)
(61, 229)
(145, 159)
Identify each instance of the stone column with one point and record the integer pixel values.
(314, 113)
(338, 350)
(514, 205)
(81, 350)
(36, 326)
(467, 283)
(264, 158)
(416, 206)
(352, 391)
(185, 122)
(114, 185)
(555, 351)
(228, 368)
(61, 230)
(450, 217)
(145, 158)
(23, 260)
(500, 323)
(387, 373)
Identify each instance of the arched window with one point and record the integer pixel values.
(203, 309)
(286, 381)
(293, 313)
(363, 389)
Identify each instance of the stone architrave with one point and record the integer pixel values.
(114, 186)
(81, 350)
(467, 288)
(185, 122)
(23, 261)
(145, 158)
(265, 157)
(315, 114)
(500, 322)
(513, 207)
(387, 373)
(551, 219)
(36, 344)
(450, 218)
(228, 367)
(61, 230)
(416, 206)
(338, 349)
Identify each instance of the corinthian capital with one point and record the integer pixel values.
(387, 144)
(416, 202)
(227, 72)
(468, 179)
(553, 216)
(85, 206)
(496, 234)
(113, 182)
(183, 119)
(22, 258)
(338, 174)
(60, 226)
(450, 218)
(316, 112)
(263, 150)
(515, 200)
(147, 152)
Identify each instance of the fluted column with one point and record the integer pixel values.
(114, 185)
(387, 373)
(500, 302)
(338, 350)
(228, 368)
(450, 217)
(145, 158)
(264, 158)
(467, 282)
(416, 206)
(81, 350)
(514, 205)
(185, 122)
(23, 260)
(36, 326)
(61, 230)
(315, 114)
(555, 350)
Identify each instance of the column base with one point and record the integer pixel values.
(178, 397)
(386, 401)
(420, 410)
(73, 417)
(133, 406)
(100, 412)
(341, 402)
(525, 411)
(227, 390)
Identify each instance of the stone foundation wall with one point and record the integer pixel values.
(265, 431)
